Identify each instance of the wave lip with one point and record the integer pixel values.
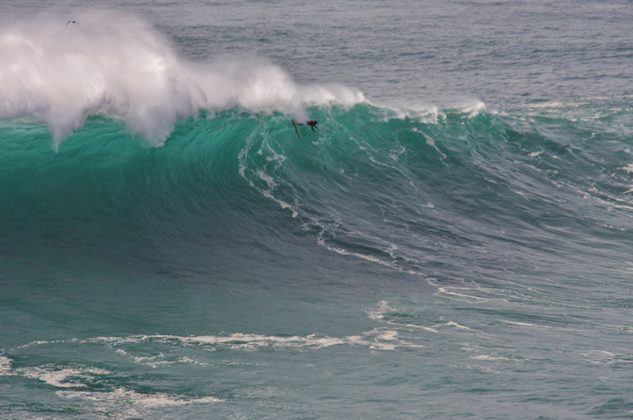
(118, 65)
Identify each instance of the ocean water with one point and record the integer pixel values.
(455, 240)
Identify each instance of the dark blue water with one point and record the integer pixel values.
(454, 239)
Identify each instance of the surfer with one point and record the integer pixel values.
(311, 123)
(73, 22)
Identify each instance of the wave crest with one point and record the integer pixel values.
(114, 64)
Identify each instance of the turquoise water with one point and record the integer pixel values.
(169, 247)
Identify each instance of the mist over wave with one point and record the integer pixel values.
(110, 63)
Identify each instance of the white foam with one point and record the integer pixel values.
(120, 66)
(467, 298)
(628, 168)
(422, 327)
(122, 396)
(5, 365)
(249, 341)
(66, 378)
(524, 324)
(606, 357)
(388, 335)
(263, 176)
(282, 204)
(458, 326)
(375, 339)
(603, 354)
(39, 343)
(345, 252)
(190, 361)
(387, 340)
(546, 105)
(379, 313)
(380, 340)
(472, 108)
(151, 361)
(427, 113)
(488, 357)
(61, 378)
(236, 341)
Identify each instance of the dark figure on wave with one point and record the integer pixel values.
(73, 22)
(310, 123)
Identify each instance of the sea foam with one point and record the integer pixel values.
(118, 65)
(5, 365)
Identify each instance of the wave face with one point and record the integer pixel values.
(450, 190)
(239, 246)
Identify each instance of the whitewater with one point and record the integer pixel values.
(117, 65)
(454, 240)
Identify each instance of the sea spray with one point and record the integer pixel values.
(108, 63)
